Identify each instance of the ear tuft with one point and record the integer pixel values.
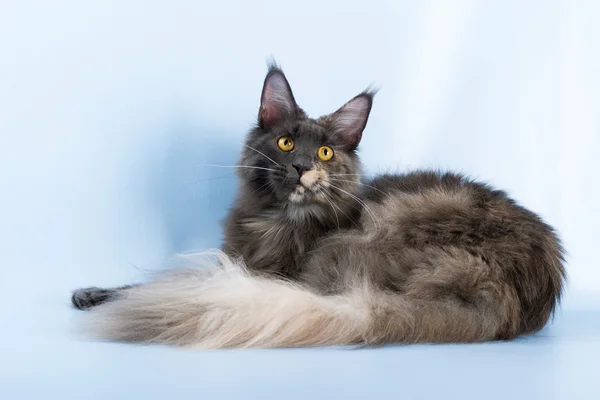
(351, 119)
(277, 101)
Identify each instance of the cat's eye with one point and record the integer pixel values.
(325, 153)
(285, 143)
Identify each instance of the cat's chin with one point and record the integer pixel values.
(305, 204)
(301, 195)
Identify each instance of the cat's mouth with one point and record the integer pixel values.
(302, 195)
(310, 187)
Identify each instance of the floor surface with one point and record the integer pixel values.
(42, 358)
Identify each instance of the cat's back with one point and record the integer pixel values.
(425, 210)
(451, 208)
(422, 182)
(426, 197)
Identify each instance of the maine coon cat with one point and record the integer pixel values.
(314, 255)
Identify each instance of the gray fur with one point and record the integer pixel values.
(322, 257)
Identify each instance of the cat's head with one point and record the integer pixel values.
(299, 163)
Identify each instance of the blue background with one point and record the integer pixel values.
(109, 110)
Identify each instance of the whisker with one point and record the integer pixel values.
(342, 211)
(350, 175)
(237, 166)
(367, 208)
(209, 179)
(332, 207)
(260, 152)
(262, 189)
(364, 184)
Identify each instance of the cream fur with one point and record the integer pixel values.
(219, 304)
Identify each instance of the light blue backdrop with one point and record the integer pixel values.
(108, 110)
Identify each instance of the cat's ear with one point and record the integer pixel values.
(277, 101)
(350, 120)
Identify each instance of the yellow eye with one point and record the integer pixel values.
(285, 143)
(325, 153)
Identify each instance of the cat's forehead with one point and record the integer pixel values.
(305, 130)
(310, 129)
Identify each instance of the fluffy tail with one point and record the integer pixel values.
(224, 306)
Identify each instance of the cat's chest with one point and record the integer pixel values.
(276, 245)
(266, 229)
(280, 236)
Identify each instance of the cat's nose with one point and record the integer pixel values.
(300, 168)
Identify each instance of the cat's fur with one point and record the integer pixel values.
(315, 256)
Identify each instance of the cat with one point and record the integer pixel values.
(315, 255)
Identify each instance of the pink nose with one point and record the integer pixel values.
(309, 178)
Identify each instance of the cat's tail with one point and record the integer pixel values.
(225, 306)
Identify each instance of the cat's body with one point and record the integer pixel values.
(332, 259)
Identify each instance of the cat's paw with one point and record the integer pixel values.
(86, 298)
